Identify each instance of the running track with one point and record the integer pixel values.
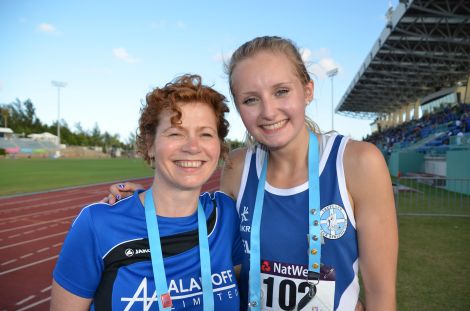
(32, 230)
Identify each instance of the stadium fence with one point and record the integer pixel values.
(433, 196)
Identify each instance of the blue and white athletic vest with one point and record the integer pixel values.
(106, 256)
(284, 229)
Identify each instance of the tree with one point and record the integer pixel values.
(95, 137)
(21, 118)
(234, 144)
(5, 111)
(131, 141)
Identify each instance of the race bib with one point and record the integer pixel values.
(284, 285)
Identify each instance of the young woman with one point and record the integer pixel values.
(314, 208)
(114, 259)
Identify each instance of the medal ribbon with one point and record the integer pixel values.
(314, 237)
(161, 285)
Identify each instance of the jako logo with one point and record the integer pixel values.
(129, 252)
(142, 251)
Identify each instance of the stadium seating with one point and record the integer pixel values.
(26, 146)
(433, 134)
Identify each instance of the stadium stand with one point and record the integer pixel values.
(5, 132)
(27, 147)
(415, 85)
(14, 146)
(21, 147)
(432, 133)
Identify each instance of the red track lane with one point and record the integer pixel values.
(32, 230)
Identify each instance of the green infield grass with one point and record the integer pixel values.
(31, 175)
(433, 269)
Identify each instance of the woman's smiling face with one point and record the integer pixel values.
(187, 154)
(270, 98)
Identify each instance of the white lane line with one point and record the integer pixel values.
(39, 223)
(62, 194)
(33, 240)
(42, 250)
(28, 265)
(8, 262)
(34, 304)
(46, 289)
(57, 210)
(57, 244)
(27, 255)
(25, 300)
(14, 236)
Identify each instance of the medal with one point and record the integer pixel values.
(166, 301)
(312, 291)
(314, 235)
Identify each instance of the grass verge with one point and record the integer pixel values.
(31, 175)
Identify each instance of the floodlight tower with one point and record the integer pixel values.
(58, 85)
(331, 73)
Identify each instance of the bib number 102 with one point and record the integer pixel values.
(286, 293)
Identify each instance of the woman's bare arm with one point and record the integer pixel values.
(64, 300)
(369, 185)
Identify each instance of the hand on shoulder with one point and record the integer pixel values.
(120, 191)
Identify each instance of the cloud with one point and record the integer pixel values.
(306, 54)
(121, 53)
(44, 27)
(319, 62)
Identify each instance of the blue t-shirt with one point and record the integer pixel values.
(106, 256)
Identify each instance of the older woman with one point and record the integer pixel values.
(167, 246)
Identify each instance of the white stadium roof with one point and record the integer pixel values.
(424, 48)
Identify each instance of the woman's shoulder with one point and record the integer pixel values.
(362, 161)
(361, 153)
(224, 203)
(101, 211)
(220, 198)
(223, 198)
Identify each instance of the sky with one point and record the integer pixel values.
(112, 53)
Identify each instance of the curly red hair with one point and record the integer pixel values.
(184, 89)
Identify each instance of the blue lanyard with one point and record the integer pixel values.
(314, 238)
(158, 267)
